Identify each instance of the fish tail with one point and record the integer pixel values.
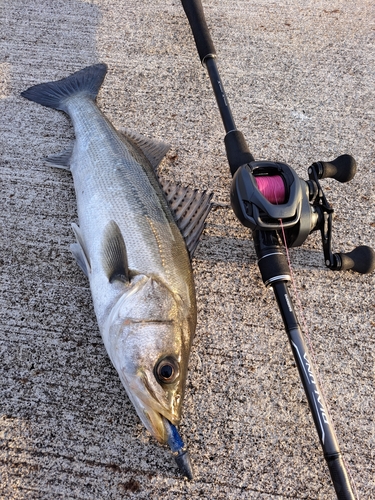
(86, 82)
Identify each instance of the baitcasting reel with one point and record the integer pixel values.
(269, 196)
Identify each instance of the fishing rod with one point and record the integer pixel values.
(281, 209)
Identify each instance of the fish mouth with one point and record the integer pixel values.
(156, 425)
(153, 406)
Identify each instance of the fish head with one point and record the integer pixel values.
(154, 375)
(150, 347)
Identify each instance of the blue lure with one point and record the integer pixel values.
(179, 450)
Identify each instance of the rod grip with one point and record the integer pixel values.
(340, 478)
(194, 12)
(238, 152)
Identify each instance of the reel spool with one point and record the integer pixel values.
(265, 194)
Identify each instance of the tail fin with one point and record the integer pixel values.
(87, 81)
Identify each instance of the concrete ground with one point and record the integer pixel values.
(300, 78)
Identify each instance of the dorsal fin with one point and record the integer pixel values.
(152, 149)
(115, 260)
(190, 209)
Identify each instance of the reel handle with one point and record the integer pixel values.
(342, 169)
(194, 12)
(360, 260)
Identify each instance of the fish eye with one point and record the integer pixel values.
(166, 370)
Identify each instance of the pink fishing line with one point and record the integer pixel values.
(272, 188)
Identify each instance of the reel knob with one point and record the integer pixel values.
(342, 169)
(360, 260)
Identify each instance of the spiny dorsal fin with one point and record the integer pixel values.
(115, 260)
(79, 251)
(63, 159)
(190, 208)
(152, 149)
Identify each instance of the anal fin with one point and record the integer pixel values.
(61, 160)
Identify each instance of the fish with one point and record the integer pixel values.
(135, 237)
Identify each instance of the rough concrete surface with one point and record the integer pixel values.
(300, 77)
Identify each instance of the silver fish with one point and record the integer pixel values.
(131, 248)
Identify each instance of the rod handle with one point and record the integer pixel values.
(340, 478)
(342, 169)
(360, 260)
(238, 152)
(194, 12)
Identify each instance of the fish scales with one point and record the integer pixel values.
(131, 250)
(117, 187)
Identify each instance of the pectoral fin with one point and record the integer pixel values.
(115, 260)
(190, 208)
